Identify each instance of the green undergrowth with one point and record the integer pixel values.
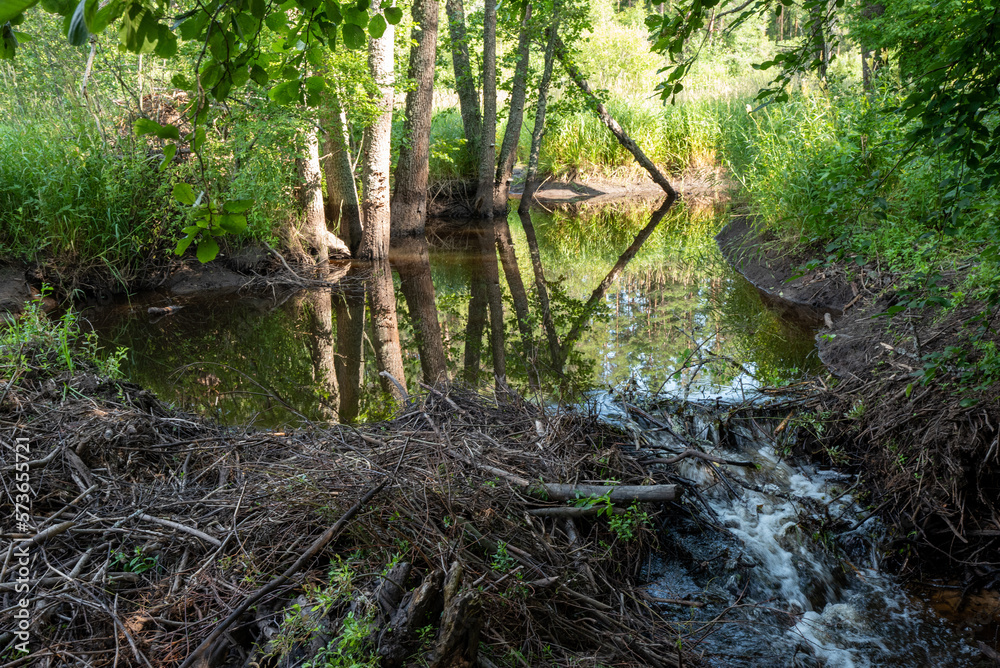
(83, 199)
(65, 195)
(833, 172)
(36, 345)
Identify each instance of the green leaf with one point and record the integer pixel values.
(169, 151)
(333, 12)
(184, 193)
(208, 249)
(233, 223)
(105, 15)
(145, 126)
(258, 8)
(11, 9)
(354, 37)
(237, 205)
(8, 42)
(60, 7)
(240, 76)
(315, 84)
(166, 43)
(288, 92)
(198, 140)
(356, 17)
(393, 15)
(182, 245)
(78, 33)
(247, 24)
(259, 75)
(90, 13)
(377, 26)
(181, 81)
(276, 21)
(192, 26)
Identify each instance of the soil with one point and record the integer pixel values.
(927, 452)
(14, 289)
(208, 278)
(801, 296)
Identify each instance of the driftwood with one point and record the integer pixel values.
(163, 310)
(217, 540)
(564, 492)
(698, 454)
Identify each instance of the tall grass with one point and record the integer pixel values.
(831, 167)
(66, 195)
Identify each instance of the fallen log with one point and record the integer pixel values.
(698, 454)
(551, 491)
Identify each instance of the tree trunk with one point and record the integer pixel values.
(870, 62)
(476, 322)
(598, 294)
(350, 309)
(320, 313)
(413, 264)
(488, 149)
(818, 37)
(382, 304)
(541, 287)
(313, 228)
(627, 142)
(341, 189)
(512, 134)
(531, 176)
(508, 259)
(409, 201)
(375, 154)
(465, 81)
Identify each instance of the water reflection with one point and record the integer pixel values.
(614, 295)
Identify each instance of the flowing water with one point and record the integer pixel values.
(782, 557)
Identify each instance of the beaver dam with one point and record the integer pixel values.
(604, 481)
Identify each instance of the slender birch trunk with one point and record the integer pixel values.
(512, 134)
(541, 287)
(313, 227)
(409, 201)
(491, 277)
(488, 149)
(531, 176)
(375, 154)
(350, 309)
(602, 289)
(341, 188)
(602, 112)
(465, 81)
(319, 307)
(512, 272)
(382, 304)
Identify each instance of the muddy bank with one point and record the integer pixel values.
(453, 199)
(243, 270)
(927, 453)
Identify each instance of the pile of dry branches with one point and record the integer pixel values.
(156, 538)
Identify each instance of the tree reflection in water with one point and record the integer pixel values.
(613, 295)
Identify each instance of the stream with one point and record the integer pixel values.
(784, 557)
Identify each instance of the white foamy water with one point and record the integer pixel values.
(794, 599)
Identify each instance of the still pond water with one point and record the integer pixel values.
(677, 318)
